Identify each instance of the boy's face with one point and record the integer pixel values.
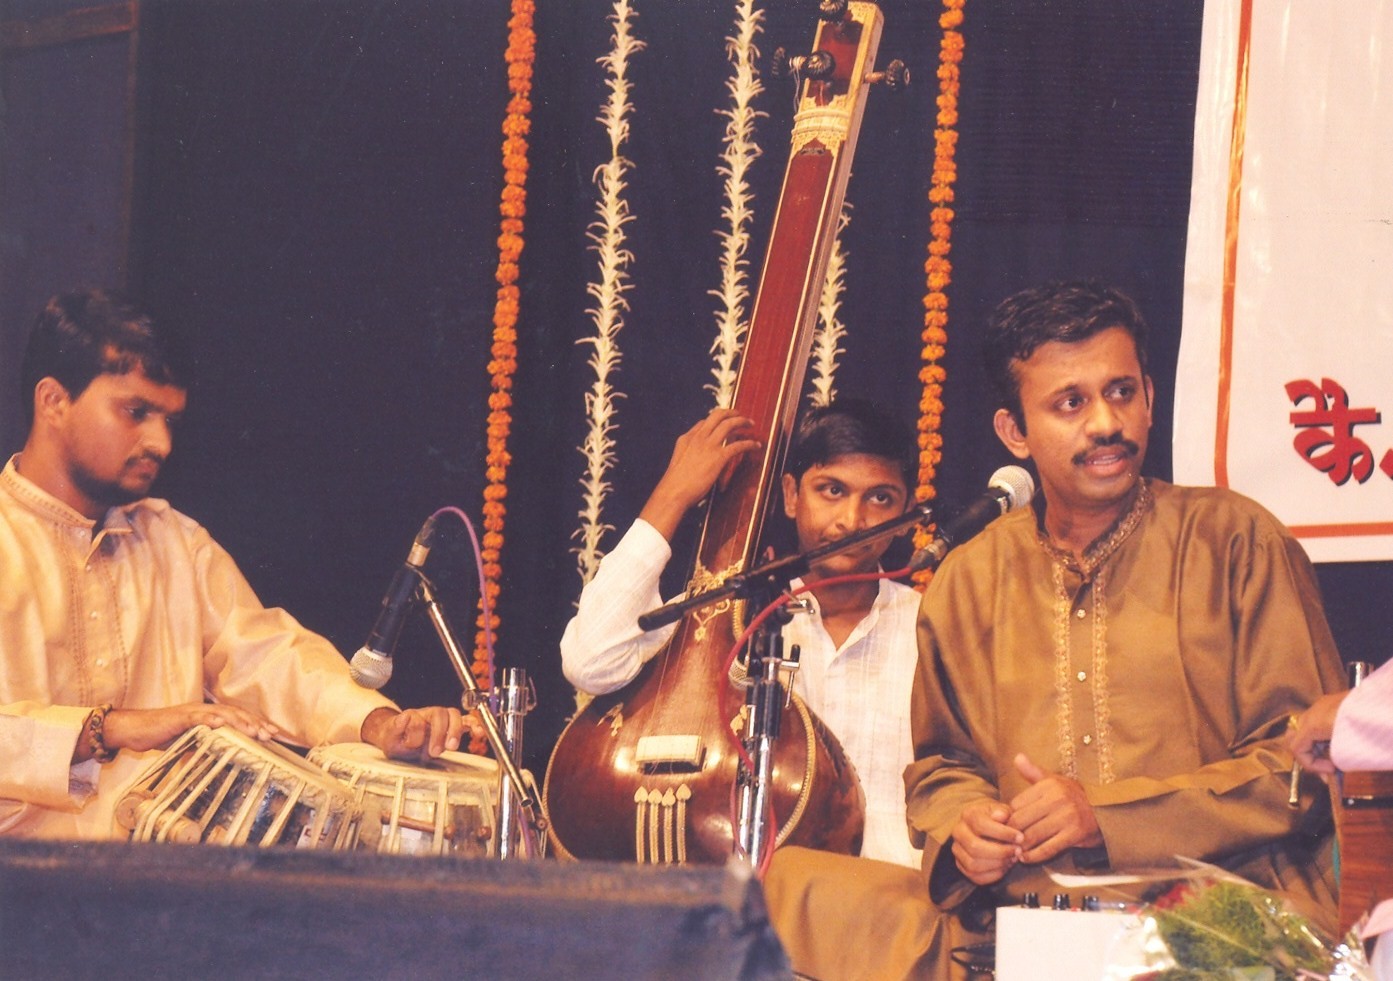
(844, 495)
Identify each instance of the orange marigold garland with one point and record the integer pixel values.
(522, 45)
(938, 270)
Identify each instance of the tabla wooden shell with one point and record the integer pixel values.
(218, 786)
(448, 806)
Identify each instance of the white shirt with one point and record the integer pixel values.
(861, 690)
(1363, 740)
(1363, 734)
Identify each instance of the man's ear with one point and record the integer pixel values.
(1008, 430)
(1150, 397)
(790, 486)
(51, 400)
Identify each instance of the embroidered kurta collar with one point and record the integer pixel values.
(1105, 544)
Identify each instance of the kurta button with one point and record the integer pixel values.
(101, 662)
(1083, 675)
(1088, 740)
(92, 615)
(1080, 613)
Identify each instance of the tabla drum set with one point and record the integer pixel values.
(221, 787)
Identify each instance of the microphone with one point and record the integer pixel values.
(1009, 488)
(372, 665)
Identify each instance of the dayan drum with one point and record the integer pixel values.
(448, 806)
(221, 787)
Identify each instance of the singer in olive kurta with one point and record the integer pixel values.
(1104, 677)
(1159, 671)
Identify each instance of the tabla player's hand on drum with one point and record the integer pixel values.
(478, 735)
(414, 734)
(142, 729)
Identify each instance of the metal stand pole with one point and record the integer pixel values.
(475, 699)
(764, 703)
(514, 702)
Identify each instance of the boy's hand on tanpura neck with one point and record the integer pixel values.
(703, 455)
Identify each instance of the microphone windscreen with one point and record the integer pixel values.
(370, 669)
(1017, 483)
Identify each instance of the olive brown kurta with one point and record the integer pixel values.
(1160, 672)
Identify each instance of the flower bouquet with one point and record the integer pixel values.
(1210, 925)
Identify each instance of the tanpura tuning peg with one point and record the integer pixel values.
(815, 66)
(894, 77)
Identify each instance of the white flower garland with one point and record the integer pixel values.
(607, 232)
(830, 329)
(739, 154)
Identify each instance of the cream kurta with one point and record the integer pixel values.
(1165, 692)
(149, 613)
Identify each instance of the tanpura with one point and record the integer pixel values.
(648, 773)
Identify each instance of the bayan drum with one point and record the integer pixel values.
(221, 787)
(448, 806)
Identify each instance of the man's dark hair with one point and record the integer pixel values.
(1059, 311)
(848, 426)
(85, 333)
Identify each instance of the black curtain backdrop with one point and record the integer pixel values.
(318, 213)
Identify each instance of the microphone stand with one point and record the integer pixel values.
(515, 698)
(536, 822)
(765, 695)
(744, 584)
(765, 700)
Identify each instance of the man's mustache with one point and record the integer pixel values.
(1116, 439)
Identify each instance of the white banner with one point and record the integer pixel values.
(1285, 373)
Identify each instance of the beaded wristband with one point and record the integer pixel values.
(96, 735)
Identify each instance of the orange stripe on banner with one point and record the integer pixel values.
(1240, 126)
(1342, 531)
